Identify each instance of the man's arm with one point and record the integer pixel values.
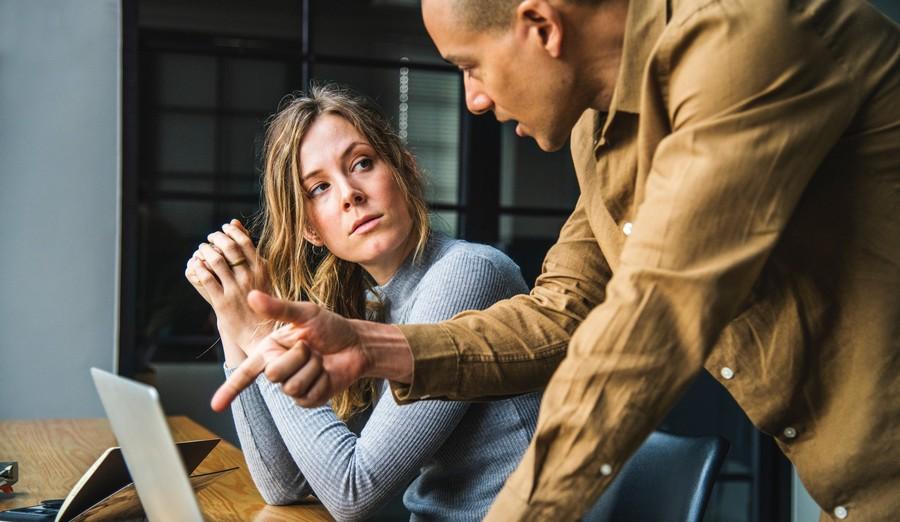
(316, 354)
(755, 102)
(515, 345)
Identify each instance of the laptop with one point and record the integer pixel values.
(156, 468)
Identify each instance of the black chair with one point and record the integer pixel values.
(669, 478)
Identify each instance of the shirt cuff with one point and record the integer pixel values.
(435, 364)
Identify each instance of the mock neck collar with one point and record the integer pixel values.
(399, 287)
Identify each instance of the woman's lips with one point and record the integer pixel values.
(366, 225)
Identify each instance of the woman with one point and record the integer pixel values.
(346, 226)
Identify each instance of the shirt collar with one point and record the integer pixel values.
(645, 23)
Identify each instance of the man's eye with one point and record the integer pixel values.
(363, 164)
(472, 74)
(318, 189)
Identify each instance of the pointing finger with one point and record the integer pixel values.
(242, 377)
(268, 350)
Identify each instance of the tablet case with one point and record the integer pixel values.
(106, 490)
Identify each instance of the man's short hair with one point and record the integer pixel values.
(493, 15)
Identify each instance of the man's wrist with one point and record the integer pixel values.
(385, 350)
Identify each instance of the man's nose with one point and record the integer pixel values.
(477, 101)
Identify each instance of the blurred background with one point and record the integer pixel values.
(130, 129)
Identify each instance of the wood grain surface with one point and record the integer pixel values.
(53, 454)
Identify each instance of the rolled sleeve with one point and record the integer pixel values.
(436, 358)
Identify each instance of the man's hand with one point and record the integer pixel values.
(317, 353)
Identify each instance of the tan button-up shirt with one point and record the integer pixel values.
(738, 211)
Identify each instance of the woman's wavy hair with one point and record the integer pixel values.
(297, 270)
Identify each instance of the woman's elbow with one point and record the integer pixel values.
(351, 513)
(352, 508)
(278, 499)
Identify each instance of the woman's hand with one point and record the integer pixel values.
(223, 272)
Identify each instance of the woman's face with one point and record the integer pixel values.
(354, 206)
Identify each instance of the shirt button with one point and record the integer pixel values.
(840, 512)
(727, 373)
(605, 470)
(790, 432)
(626, 228)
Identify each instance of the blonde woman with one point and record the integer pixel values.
(346, 225)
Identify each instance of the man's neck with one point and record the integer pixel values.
(597, 44)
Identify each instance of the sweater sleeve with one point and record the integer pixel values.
(275, 474)
(354, 475)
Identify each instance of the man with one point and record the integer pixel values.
(739, 164)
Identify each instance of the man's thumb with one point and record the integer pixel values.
(281, 310)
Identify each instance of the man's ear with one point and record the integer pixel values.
(542, 22)
(312, 236)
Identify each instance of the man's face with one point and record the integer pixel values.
(507, 72)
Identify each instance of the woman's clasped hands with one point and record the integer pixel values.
(224, 271)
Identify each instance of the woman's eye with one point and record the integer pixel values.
(318, 189)
(363, 164)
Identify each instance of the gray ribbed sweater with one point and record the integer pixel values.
(456, 454)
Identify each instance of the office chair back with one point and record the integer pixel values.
(669, 478)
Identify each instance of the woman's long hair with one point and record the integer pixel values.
(296, 269)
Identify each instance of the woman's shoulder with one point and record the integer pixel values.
(459, 260)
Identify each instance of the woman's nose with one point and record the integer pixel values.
(353, 197)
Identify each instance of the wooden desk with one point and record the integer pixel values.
(53, 454)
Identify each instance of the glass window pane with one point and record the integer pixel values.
(524, 228)
(445, 221)
(380, 84)
(242, 141)
(526, 240)
(169, 233)
(424, 107)
(186, 143)
(254, 85)
(186, 80)
(428, 116)
(187, 182)
(390, 29)
(188, 221)
(245, 211)
(268, 19)
(530, 177)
